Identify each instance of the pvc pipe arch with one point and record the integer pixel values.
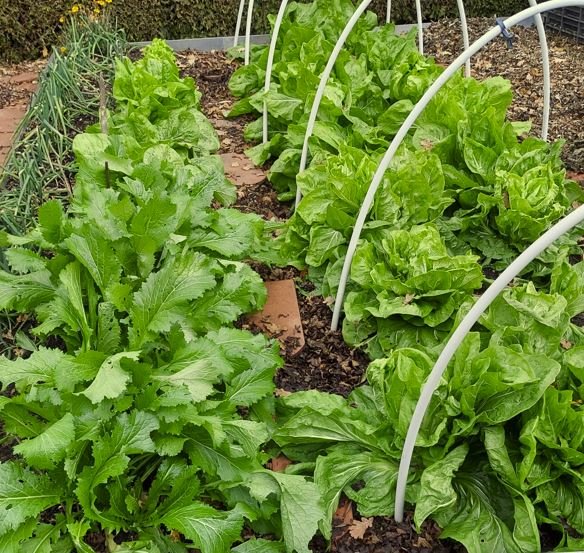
(238, 24)
(247, 28)
(271, 54)
(465, 39)
(248, 31)
(420, 26)
(545, 60)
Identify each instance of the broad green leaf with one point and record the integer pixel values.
(111, 379)
(210, 530)
(40, 367)
(50, 447)
(22, 260)
(250, 386)
(51, 220)
(436, 490)
(301, 509)
(164, 296)
(340, 468)
(23, 494)
(260, 546)
(109, 334)
(94, 252)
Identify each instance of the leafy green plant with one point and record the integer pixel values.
(376, 79)
(148, 421)
(498, 452)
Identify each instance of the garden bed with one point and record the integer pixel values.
(326, 363)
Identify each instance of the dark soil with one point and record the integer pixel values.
(385, 535)
(263, 200)
(212, 71)
(325, 363)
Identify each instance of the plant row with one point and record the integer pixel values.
(146, 416)
(500, 451)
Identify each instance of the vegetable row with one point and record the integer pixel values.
(500, 452)
(143, 417)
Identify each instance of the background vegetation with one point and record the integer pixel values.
(29, 26)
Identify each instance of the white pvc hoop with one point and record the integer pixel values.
(238, 24)
(465, 39)
(420, 26)
(323, 82)
(271, 55)
(407, 125)
(388, 12)
(545, 60)
(560, 228)
(248, 31)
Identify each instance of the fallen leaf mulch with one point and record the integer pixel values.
(325, 363)
(353, 533)
(522, 65)
(212, 71)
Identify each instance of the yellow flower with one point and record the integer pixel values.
(63, 50)
(61, 19)
(108, 1)
(75, 9)
(101, 2)
(96, 11)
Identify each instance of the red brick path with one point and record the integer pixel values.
(21, 84)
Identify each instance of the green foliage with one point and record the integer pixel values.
(135, 423)
(499, 450)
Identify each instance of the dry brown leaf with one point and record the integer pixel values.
(408, 299)
(344, 514)
(566, 344)
(359, 527)
(423, 542)
(280, 463)
(281, 393)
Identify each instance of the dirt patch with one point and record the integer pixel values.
(522, 65)
(353, 534)
(325, 362)
(212, 71)
(17, 84)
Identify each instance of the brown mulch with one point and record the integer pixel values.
(263, 200)
(353, 533)
(326, 362)
(522, 66)
(212, 71)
